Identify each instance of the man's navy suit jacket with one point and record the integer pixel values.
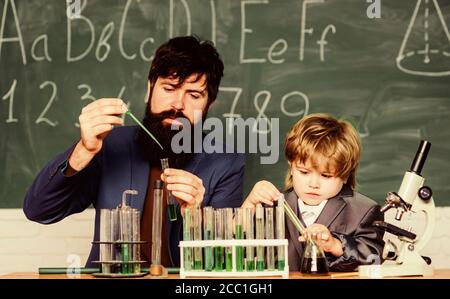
(119, 166)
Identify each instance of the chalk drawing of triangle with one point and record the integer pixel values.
(429, 53)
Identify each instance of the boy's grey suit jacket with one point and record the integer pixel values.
(349, 217)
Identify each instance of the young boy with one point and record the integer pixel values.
(323, 154)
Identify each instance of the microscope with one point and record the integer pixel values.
(412, 197)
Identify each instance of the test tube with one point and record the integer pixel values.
(125, 225)
(218, 235)
(260, 235)
(280, 226)
(239, 235)
(157, 223)
(197, 223)
(208, 229)
(116, 254)
(228, 227)
(136, 227)
(187, 236)
(171, 207)
(249, 235)
(105, 236)
(270, 252)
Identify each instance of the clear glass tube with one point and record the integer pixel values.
(280, 226)
(125, 224)
(270, 251)
(136, 235)
(208, 234)
(260, 265)
(187, 236)
(228, 232)
(197, 224)
(249, 235)
(239, 235)
(171, 206)
(116, 254)
(218, 235)
(105, 236)
(157, 223)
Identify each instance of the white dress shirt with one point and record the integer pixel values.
(310, 213)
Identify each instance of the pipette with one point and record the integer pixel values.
(292, 216)
(128, 112)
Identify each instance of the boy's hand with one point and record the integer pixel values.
(324, 239)
(262, 192)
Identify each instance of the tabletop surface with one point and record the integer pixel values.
(438, 274)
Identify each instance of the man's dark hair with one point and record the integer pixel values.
(183, 56)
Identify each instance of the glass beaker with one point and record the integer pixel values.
(314, 261)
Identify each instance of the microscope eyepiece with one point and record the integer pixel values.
(421, 156)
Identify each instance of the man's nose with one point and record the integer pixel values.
(177, 102)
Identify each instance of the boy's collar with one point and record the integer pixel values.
(346, 191)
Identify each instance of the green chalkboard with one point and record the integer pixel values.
(390, 76)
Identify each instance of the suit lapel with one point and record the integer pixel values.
(331, 210)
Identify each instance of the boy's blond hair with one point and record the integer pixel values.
(323, 135)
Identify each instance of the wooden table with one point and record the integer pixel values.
(439, 274)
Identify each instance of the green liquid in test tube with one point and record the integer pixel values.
(187, 236)
(260, 236)
(218, 235)
(249, 235)
(125, 224)
(197, 224)
(239, 235)
(281, 263)
(171, 207)
(208, 229)
(228, 230)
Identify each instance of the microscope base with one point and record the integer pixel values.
(390, 268)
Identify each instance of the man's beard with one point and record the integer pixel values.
(164, 134)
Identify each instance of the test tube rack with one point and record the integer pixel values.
(233, 243)
(119, 244)
(118, 264)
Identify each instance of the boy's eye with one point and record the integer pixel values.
(327, 175)
(303, 171)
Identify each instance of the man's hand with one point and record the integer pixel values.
(187, 188)
(96, 120)
(324, 239)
